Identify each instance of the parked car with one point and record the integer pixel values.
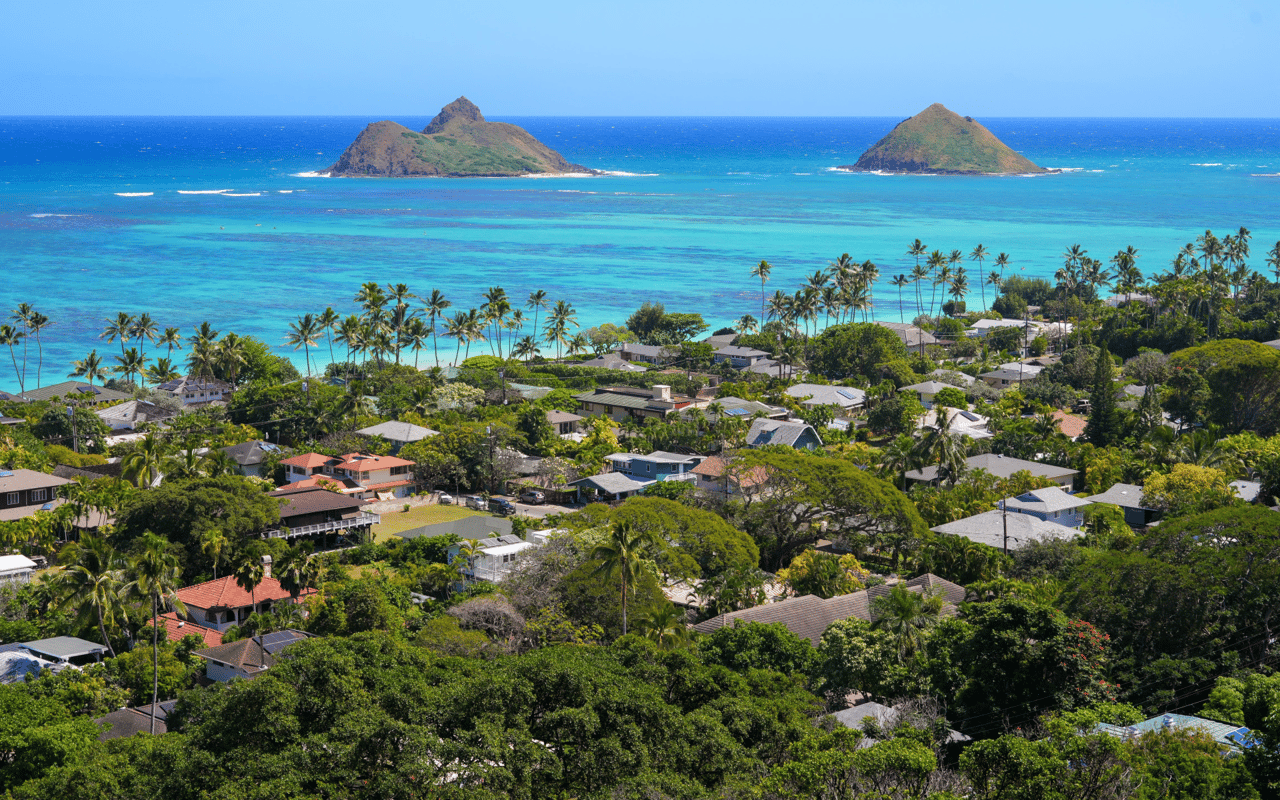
(533, 497)
(498, 505)
(446, 499)
(476, 502)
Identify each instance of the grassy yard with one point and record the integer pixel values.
(398, 521)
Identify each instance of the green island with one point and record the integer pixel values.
(1023, 549)
(458, 143)
(939, 141)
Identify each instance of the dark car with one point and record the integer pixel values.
(499, 506)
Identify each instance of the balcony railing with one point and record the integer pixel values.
(358, 521)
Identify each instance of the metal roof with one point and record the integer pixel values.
(64, 647)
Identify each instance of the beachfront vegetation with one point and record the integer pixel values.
(575, 675)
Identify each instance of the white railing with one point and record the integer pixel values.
(360, 520)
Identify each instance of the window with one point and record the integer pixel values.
(399, 470)
(11, 499)
(211, 616)
(39, 495)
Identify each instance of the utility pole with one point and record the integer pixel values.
(1004, 518)
(493, 467)
(75, 438)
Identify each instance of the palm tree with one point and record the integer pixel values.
(328, 321)
(232, 354)
(526, 348)
(905, 615)
(435, 305)
(10, 336)
(917, 249)
(214, 544)
(456, 328)
(415, 337)
(23, 314)
(89, 368)
(162, 371)
(762, 271)
(204, 335)
(157, 578)
(36, 323)
(91, 583)
(248, 575)
(121, 327)
(942, 447)
(747, 324)
(171, 338)
(561, 316)
(901, 281)
(143, 465)
(302, 333)
(919, 273)
(937, 264)
(1002, 261)
(143, 329)
(980, 254)
(623, 554)
(296, 572)
(665, 626)
(130, 364)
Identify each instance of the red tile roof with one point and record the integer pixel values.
(355, 462)
(226, 593)
(320, 481)
(308, 460)
(175, 628)
(388, 485)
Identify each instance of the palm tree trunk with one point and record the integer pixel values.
(102, 629)
(16, 371)
(155, 665)
(40, 363)
(435, 342)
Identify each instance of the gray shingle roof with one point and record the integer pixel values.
(78, 389)
(988, 528)
(740, 352)
(1046, 500)
(927, 387)
(612, 483)
(910, 335)
(777, 431)
(557, 417)
(64, 647)
(819, 395)
(809, 616)
(249, 453)
(399, 431)
(1124, 495)
(1007, 375)
(999, 466)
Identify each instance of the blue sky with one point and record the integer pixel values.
(393, 57)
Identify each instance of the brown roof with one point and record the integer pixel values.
(226, 593)
(310, 500)
(127, 722)
(18, 480)
(1070, 425)
(247, 654)
(715, 466)
(809, 616)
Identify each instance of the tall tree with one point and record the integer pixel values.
(905, 615)
(623, 554)
(156, 577)
(35, 324)
(901, 281)
(249, 574)
(328, 321)
(119, 328)
(10, 336)
(143, 329)
(762, 271)
(1103, 428)
(23, 314)
(171, 339)
(980, 254)
(435, 305)
(90, 368)
(143, 465)
(302, 333)
(91, 582)
(131, 364)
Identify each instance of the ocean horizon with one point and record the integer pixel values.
(218, 218)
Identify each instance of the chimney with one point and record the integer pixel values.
(266, 566)
(662, 392)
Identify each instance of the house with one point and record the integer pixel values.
(399, 433)
(250, 456)
(875, 717)
(221, 603)
(84, 393)
(847, 400)
(611, 361)
(15, 570)
(1050, 504)
(911, 336)
(563, 422)
(475, 527)
(1128, 498)
(717, 476)
(16, 664)
(658, 465)
(1234, 737)
(613, 486)
(66, 650)
(982, 327)
(132, 415)
(645, 353)
(175, 629)
(1003, 378)
(926, 390)
(1247, 491)
(732, 406)
(800, 435)
(620, 402)
(246, 658)
(320, 513)
(718, 340)
(1000, 530)
(23, 492)
(353, 473)
(126, 722)
(1002, 467)
(738, 357)
(950, 375)
(498, 555)
(1070, 425)
(771, 368)
(192, 390)
(963, 423)
(809, 616)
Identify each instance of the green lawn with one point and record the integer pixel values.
(398, 521)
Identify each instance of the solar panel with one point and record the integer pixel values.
(737, 412)
(47, 507)
(4, 473)
(969, 415)
(845, 393)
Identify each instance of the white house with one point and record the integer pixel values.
(16, 569)
(195, 390)
(739, 357)
(246, 658)
(498, 555)
(399, 433)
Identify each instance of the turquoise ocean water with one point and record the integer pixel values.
(706, 198)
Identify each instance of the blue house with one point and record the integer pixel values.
(1050, 504)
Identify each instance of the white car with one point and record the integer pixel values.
(446, 499)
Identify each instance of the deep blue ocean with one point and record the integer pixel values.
(707, 199)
